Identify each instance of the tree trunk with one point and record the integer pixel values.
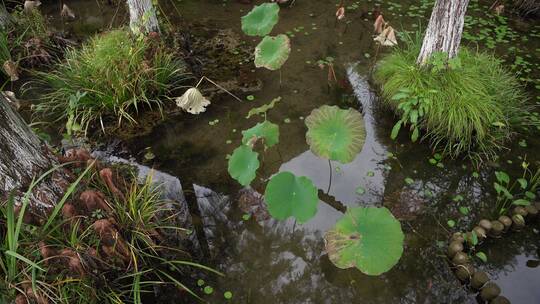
(22, 158)
(142, 16)
(444, 29)
(5, 17)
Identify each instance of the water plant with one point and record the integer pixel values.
(288, 195)
(470, 107)
(335, 134)
(273, 51)
(243, 165)
(261, 19)
(519, 191)
(367, 238)
(143, 73)
(266, 131)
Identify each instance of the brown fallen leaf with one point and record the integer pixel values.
(67, 12)
(379, 24)
(387, 37)
(340, 13)
(10, 68)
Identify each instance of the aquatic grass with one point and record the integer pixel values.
(116, 76)
(472, 109)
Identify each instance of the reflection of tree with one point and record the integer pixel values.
(274, 264)
(502, 252)
(425, 213)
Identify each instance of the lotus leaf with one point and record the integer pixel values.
(272, 52)
(243, 165)
(335, 134)
(261, 19)
(288, 195)
(266, 130)
(367, 238)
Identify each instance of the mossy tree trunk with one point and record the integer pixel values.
(444, 29)
(142, 16)
(22, 158)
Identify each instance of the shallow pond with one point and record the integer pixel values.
(284, 262)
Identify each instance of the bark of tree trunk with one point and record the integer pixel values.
(142, 16)
(5, 17)
(22, 158)
(444, 29)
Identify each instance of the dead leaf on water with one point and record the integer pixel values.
(379, 24)
(192, 101)
(387, 37)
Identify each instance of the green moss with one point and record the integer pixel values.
(471, 109)
(116, 76)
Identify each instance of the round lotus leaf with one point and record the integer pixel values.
(243, 165)
(261, 19)
(266, 130)
(272, 52)
(335, 134)
(369, 239)
(289, 195)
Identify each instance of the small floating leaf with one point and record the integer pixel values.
(227, 295)
(409, 181)
(360, 190)
(451, 223)
(200, 282)
(264, 108)
(261, 19)
(335, 134)
(272, 52)
(208, 290)
(464, 210)
(369, 239)
(266, 130)
(243, 165)
(288, 195)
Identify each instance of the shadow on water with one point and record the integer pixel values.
(266, 261)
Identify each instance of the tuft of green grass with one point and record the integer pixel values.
(113, 76)
(142, 217)
(472, 107)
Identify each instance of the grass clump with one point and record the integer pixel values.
(116, 251)
(469, 105)
(111, 76)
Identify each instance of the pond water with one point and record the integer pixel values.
(284, 262)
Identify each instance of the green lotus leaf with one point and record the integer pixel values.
(243, 165)
(266, 130)
(335, 134)
(261, 19)
(262, 110)
(288, 195)
(369, 239)
(272, 52)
